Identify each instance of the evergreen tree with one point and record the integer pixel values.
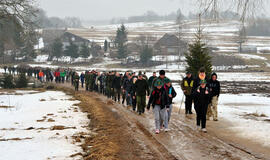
(8, 81)
(121, 40)
(57, 48)
(105, 46)
(146, 54)
(22, 81)
(198, 56)
(85, 51)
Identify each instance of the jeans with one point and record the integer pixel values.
(128, 99)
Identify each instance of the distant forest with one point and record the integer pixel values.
(260, 27)
(151, 16)
(43, 21)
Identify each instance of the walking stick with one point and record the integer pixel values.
(181, 104)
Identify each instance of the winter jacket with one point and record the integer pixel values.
(141, 87)
(128, 85)
(150, 81)
(170, 90)
(214, 87)
(116, 82)
(196, 84)
(62, 74)
(201, 98)
(159, 97)
(82, 76)
(76, 78)
(187, 85)
(41, 74)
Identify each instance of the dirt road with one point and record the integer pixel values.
(119, 133)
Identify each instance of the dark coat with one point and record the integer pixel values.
(159, 94)
(141, 87)
(214, 87)
(116, 82)
(128, 85)
(200, 98)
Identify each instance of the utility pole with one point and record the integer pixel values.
(179, 47)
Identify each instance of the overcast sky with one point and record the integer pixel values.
(107, 9)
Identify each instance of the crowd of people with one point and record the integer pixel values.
(133, 90)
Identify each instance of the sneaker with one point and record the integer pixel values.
(161, 127)
(204, 130)
(157, 131)
(215, 119)
(167, 129)
(198, 128)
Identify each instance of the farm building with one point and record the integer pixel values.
(169, 45)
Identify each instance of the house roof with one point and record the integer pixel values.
(168, 40)
(49, 35)
(67, 36)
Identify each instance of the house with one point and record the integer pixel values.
(133, 48)
(169, 45)
(67, 38)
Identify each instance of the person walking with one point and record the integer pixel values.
(116, 84)
(172, 94)
(76, 80)
(202, 97)
(127, 86)
(141, 87)
(186, 86)
(151, 79)
(160, 103)
(82, 77)
(214, 86)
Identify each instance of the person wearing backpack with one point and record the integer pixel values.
(172, 94)
(160, 102)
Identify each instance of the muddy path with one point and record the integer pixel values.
(119, 133)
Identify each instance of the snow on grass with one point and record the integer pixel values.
(25, 112)
(250, 56)
(168, 58)
(238, 109)
(41, 58)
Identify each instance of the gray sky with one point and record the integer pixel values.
(107, 9)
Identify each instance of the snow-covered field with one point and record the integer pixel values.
(250, 56)
(249, 114)
(28, 128)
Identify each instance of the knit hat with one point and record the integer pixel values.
(188, 72)
(161, 72)
(158, 83)
(167, 80)
(203, 81)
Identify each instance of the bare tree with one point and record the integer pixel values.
(245, 8)
(22, 10)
